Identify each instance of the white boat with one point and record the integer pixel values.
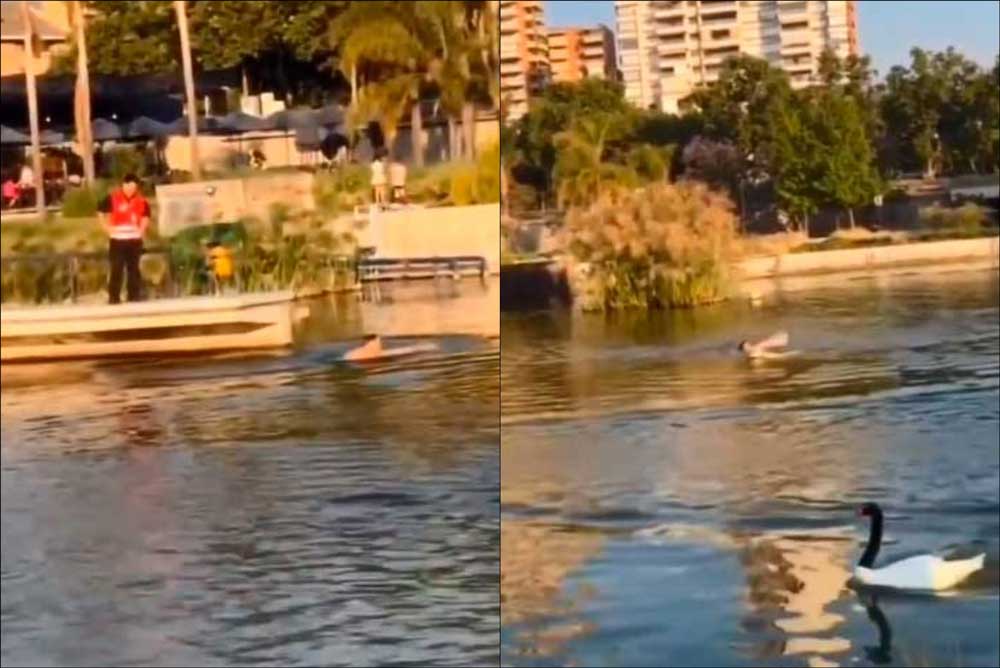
(185, 325)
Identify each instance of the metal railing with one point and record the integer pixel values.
(378, 269)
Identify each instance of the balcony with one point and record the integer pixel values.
(594, 51)
(792, 8)
(672, 38)
(661, 12)
(796, 49)
(715, 18)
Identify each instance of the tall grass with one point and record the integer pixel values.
(292, 251)
(968, 218)
(663, 246)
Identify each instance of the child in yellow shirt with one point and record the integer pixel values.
(220, 262)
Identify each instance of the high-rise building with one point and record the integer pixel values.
(524, 57)
(668, 49)
(575, 53)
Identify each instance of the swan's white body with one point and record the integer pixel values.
(924, 572)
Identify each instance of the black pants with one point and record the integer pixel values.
(124, 255)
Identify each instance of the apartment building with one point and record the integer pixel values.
(524, 54)
(577, 53)
(668, 49)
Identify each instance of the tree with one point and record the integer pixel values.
(81, 96)
(32, 95)
(180, 7)
(793, 154)
(582, 172)
(131, 38)
(716, 163)
(382, 54)
(557, 109)
(269, 40)
(737, 107)
(854, 77)
(940, 110)
(821, 155)
(283, 40)
(847, 174)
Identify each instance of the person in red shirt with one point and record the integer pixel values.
(125, 215)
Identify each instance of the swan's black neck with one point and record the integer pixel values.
(874, 540)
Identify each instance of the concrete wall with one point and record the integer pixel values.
(436, 140)
(217, 152)
(855, 259)
(457, 230)
(469, 307)
(184, 204)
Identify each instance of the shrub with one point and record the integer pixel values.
(660, 246)
(341, 189)
(79, 203)
(464, 189)
(966, 218)
(123, 160)
(488, 173)
(650, 163)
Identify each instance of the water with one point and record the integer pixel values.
(280, 509)
(665, 502)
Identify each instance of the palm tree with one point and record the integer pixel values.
(393, 52)
(482, 48)
(180, 7)
(81, 98)
(386, 63)
(32, 93)
(582, 174)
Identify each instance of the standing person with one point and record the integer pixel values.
(26, 185)
(378, 179)
(125, 215)
(397, 182)
(11, 193)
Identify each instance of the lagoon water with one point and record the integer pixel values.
(280, 509)
(665, 502)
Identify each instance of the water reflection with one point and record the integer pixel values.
(881, 654)
(717, 497)
(263, 509)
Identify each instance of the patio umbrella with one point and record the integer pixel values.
(331, 114)
(104, 130)
(294, 119)
(50, 137)
(180, 125)
(237, 121)
(144, 126)
(12, 136)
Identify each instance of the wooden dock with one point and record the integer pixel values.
(166, 326)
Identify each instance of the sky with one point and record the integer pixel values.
(887, 29)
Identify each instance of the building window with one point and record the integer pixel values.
(720, 34)
(795, 25)
(627, 44)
